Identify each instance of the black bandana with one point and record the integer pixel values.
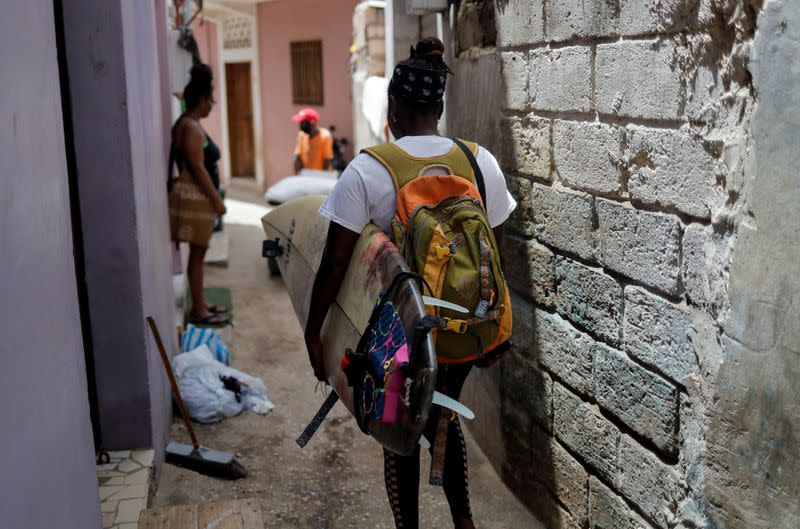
(418, 85)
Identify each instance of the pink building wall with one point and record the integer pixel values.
(280, 23)
(205, 33)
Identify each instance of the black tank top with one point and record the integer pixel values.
(211, 156)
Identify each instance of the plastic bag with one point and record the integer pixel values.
(193, 337)
(206, 399)
(200, 380)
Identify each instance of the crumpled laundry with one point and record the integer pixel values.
(213, 391)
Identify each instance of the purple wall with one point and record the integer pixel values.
(163, 44)
(115, 89)
(206, 33)
(46, 439)
(149, 155)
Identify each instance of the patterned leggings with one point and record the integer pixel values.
(402, 472)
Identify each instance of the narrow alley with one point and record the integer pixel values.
(604, 192)
(336, 482)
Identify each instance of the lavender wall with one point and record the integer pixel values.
(164, 44)
(47, 455)
(149, 154)
(119, 142)
(206, 34)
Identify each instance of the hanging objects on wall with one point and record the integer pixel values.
(183, 14)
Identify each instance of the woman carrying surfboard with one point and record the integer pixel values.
(443, 202)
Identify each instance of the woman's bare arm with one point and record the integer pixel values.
(339, 249)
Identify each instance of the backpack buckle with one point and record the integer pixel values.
(457, 326)
(444, 251)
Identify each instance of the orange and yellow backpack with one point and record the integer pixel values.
(442, 230)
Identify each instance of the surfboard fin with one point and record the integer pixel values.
(440, 399)
(436, 302)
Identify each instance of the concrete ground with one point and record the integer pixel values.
(336, 482)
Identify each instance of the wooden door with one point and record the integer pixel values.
(240, 119)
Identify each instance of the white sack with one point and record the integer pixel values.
(298, 186)
(204, 393)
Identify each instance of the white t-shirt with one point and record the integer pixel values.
(365, 192)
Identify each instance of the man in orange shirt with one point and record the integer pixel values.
(314, 148)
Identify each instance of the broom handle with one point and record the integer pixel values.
(175, 392)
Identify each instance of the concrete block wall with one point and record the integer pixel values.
(626, 131)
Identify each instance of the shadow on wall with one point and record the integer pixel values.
(529, 466)
(512, 399)
(513, 424)
(526, 391)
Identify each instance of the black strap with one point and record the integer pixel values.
(173, 159)
(315, 423)
(476, 170)
(170, 165)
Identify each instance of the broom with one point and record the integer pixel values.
(194, 457)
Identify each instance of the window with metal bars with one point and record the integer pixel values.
(307, 86)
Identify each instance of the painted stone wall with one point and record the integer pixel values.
(47, 452)
(121, 158)
(149, 155)
(651, 146)
(206, 32)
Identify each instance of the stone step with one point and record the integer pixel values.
(218, 249)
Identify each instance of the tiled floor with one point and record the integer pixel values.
(124, 487)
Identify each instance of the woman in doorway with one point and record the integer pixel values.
(366, 193)
(194, 201)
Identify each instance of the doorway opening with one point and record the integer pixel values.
(238, 83)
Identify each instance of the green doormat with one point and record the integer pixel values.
(221, 297)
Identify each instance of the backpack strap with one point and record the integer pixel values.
(476, 170)
(404, 168)
(395, 161)
(173, 159)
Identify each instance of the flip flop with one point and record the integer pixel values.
(214, 309)
(211, 319)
